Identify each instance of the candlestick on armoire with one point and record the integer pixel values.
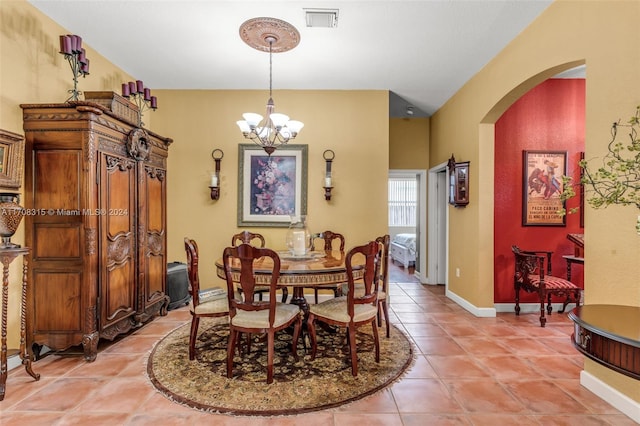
(71, 48)
(141, 96)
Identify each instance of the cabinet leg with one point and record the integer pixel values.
(164, 309)
(29, 369)
(90, 345)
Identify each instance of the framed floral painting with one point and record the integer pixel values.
(273, 188)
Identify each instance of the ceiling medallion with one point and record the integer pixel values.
(269, 33)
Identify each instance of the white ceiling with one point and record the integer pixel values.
(421, 51)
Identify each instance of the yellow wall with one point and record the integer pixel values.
(409, 143)
(409, 150)
(32, 71)
(354, 124)
(604, 36)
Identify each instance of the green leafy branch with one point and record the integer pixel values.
(617, 179)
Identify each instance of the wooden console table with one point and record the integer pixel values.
(570, 260)
(609, 335)
(7, 255)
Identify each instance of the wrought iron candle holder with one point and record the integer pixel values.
(141, 96)
(217, 155)
(74, 53)
(328, 155)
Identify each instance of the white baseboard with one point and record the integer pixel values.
(619, 400)
(13, 361)
(530, 308)
(479, 312)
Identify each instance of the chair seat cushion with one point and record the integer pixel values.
(260, 319)
(336, 309)
(215, 306)
(359, 292)
(552, 283)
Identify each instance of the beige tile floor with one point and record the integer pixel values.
(468, 371)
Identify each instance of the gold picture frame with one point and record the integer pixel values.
(11, 159)
(542, 186)
(273, 188)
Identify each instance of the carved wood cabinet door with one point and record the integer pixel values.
(95, 195)
(152, 194)
(117, 241)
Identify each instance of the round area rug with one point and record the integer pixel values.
(298, 387)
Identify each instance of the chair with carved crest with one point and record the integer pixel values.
(383, 289)
(533, 275)
(216, 305)
(352, 311)
(256, 240)
(328, 238)
(255, 317)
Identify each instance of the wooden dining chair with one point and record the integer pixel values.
(257, 240)
(351, 311)
(257, 317)
(383, 292)
(328, 238)
(213, 306)
(247, 237)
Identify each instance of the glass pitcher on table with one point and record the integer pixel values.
(298, 236)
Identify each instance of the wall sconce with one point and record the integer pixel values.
(328, 184)
(217, 155)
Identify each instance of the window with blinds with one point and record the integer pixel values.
(403, 201)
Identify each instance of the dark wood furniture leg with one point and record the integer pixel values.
(7, 255)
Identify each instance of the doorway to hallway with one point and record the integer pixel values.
(407, 212)
(438, 226)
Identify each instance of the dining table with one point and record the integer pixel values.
(313, 269)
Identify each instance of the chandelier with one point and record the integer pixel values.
(273, 130)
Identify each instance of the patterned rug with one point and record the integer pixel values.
(298, 387)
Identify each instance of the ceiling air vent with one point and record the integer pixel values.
(321, 18)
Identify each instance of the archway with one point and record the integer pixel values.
(501, 260)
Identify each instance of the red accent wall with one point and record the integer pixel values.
(551, 116)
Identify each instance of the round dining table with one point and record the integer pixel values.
(314, 269)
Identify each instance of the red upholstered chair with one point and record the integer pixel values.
(216, 305)
(532, 276)
(328, 238)
(257, 317)
(352, 311)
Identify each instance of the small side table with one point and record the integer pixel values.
(570, 260)
(7, 255)
(609, 335)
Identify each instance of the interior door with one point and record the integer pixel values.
(441, 228)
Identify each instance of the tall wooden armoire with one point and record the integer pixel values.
(95, 203)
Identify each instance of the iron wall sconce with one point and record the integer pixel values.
(328, 156)
(217, 155)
